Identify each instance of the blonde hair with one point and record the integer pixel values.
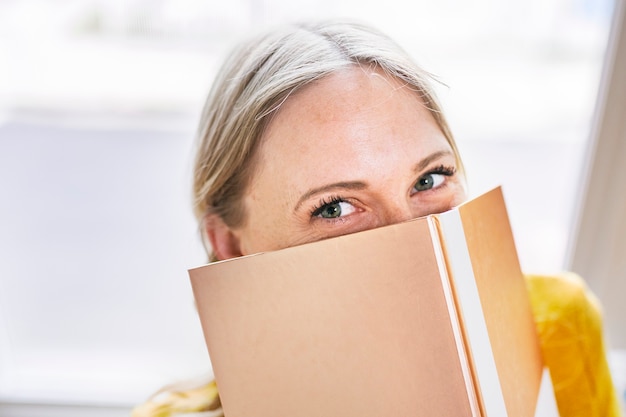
(259, 76)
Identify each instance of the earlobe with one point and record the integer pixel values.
(224, 242)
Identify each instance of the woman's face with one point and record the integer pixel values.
(353, 151)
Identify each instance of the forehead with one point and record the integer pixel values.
(346, 110)
(353, 126)
(349, 91)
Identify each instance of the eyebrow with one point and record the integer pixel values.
(423, 164)
(360, 185)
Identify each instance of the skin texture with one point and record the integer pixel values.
(357, 147)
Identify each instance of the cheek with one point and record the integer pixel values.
(452, 197)
(460, 194)
(266, 227)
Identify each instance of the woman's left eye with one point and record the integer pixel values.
(429, 181)
(334, 209)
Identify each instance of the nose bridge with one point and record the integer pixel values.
(396, 212)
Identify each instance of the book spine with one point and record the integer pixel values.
(470, 314)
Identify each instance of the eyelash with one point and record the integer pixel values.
(448, 171)
(317, 210)
(441, 170)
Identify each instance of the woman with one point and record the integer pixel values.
(321, 130)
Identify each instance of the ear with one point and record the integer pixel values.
(224, 242)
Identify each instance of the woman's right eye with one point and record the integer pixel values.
(334, 209)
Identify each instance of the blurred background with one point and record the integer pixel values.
(99, 101)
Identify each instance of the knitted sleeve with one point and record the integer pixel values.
(173, 401)
(569, 324)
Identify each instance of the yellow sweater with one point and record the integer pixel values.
(569, 323)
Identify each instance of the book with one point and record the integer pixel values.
(422, 318)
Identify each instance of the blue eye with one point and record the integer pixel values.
(429, 181)
(333, 209)
(434, 178)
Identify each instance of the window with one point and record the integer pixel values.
(98, 105)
